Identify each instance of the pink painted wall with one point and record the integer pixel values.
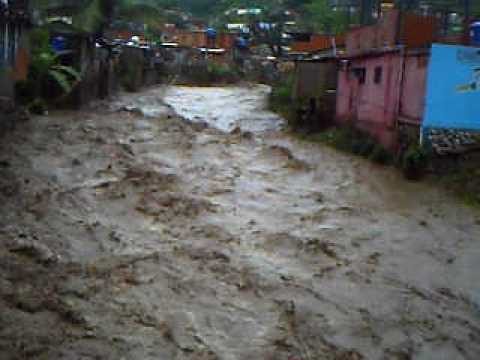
(413, 97)
(370, 106)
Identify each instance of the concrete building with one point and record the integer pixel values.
(382, 77)
(381, 92)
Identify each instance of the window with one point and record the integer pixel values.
(361, 74)
(378, 75)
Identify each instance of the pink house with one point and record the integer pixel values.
(380, 93)
(381, 85)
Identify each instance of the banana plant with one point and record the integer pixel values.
(65, 76)
(45, 66)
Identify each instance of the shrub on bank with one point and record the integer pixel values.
(465, 183)
(222, 73)
(37, 106)
(380, 155)
(461, 176)
(209, 73)
(354, 141)
(281, 99)
(48, 80)
(415, 162)
(219, 72)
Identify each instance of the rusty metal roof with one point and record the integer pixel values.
(317, 42)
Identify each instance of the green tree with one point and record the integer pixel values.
(324, 19)
(147, 12)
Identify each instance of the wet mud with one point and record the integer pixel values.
(128, 232)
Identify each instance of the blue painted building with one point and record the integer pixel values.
(453, 88)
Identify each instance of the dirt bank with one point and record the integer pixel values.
(135, 235)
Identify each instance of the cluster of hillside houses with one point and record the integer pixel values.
(396, 79)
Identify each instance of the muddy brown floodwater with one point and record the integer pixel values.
(129, 233)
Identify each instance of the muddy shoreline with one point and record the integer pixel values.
(129, 233)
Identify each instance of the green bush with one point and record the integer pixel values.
(207, 73)
(362, 144)
(281, 99)
(221, 73)
(24, 92)
(465, 181)
(130, 78)
(380, 155)
(415, 162)
(354, 141)
(37, 106)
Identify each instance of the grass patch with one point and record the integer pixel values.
(415, 162)
(210, 73)
(464, 181)
(281, 99)
(353, 141)
(222, 73)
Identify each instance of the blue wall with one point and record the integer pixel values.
(453, 88)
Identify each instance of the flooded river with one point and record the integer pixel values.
(138, 235)
(225, 108)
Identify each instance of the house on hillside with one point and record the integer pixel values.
(192, 39)
(219, 49)
(227, 40)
